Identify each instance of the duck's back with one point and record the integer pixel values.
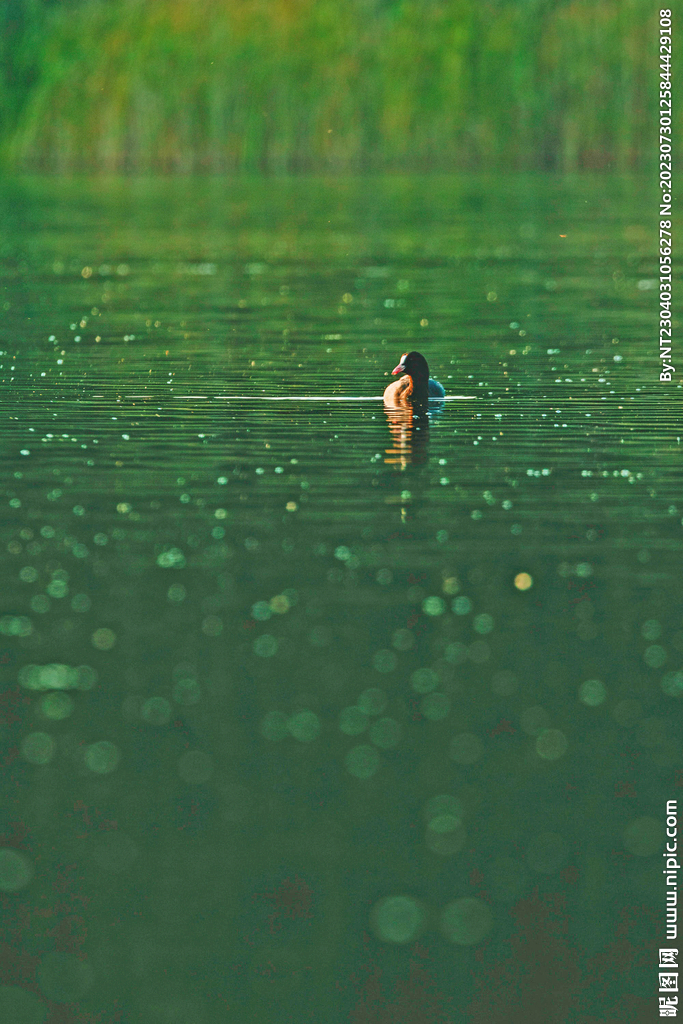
(399, 393)
(436, 390)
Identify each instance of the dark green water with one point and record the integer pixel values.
(285, 681)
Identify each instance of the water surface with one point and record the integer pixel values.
(313, 712)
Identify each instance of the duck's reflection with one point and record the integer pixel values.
(410, 434)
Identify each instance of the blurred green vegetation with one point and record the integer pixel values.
(323, 85)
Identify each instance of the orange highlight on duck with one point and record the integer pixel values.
(415, 387)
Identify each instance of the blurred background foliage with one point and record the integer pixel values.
(324, 85)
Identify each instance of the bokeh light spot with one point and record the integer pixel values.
(38, 748)
(424, 680)
(353, 720)
(57, 706)
(592, 693)
(523, 581)
(281, 603)
(386, 733)
(443, 803)
(362, 761)
(445, 834)
(265, 646)
(104, 639)
(433, 606)
(16, 870)
(212, 625)
(173, 558)
(52, 677)
(261, 611)
(551, 744)
(86, 677)
(384, 661)
(651, 630)
(102, 757)
(534, 720)
(156, 711)
(654, 656)
(466, 921)
(274, 726)
(304, 726)
(455, 654)
(435, 706)
(81, 603)
(16, 625)
(672, 684)
(403, 639)
(186, 692)
(461, 605)
(396, 919)
(372, 701)
(483, 623)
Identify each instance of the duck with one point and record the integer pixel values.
(415, 387)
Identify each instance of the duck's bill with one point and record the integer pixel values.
(398, 369)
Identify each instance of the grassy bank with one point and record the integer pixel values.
(297, 85)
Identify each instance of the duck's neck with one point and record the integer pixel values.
(420, 389)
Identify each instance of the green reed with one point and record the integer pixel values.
(318, 85)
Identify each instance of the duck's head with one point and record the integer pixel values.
(414, 364)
